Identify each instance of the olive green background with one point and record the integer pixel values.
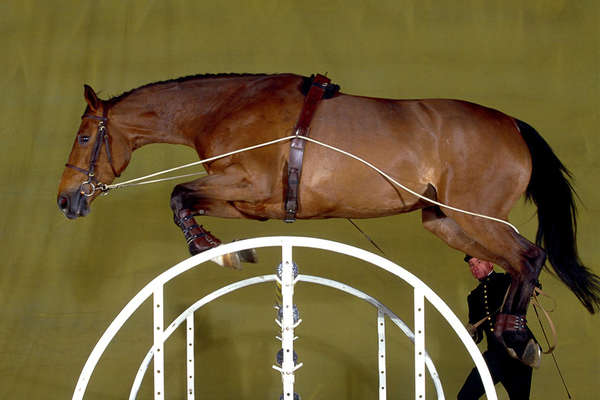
(62, 282)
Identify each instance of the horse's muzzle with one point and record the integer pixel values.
(73, 204)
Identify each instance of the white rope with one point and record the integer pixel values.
(135, 181)
(131, 182)
(407, 189)
(171, 178)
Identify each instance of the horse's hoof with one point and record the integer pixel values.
(248, 255)
(234, 260)
(532, 355)
(230, 260)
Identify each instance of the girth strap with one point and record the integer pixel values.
(316, 92)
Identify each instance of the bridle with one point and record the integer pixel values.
(92, 184)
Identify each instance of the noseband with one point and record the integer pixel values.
(92, 184)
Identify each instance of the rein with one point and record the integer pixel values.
(92, 183)
(551, 347)
(536, 304)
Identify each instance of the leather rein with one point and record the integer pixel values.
(92, 184)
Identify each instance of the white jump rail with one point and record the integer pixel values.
(187, 316)
(287, 243)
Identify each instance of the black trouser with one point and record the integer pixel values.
(514, 376)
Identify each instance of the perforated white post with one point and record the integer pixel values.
(381, 354)
(189, 364)
(287, 280)
(159, 360)
(419, 308)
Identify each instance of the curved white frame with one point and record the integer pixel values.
(184, 316)
(155, 288)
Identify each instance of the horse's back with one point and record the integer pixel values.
(423, 144)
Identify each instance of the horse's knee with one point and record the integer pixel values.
(177, 198)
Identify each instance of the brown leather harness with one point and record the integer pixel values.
(89, 187)
(320, 87)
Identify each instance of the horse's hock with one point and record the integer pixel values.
(287, 274)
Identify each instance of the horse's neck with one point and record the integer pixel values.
(175, 112)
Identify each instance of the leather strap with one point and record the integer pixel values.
(510, 322)
(101, 139)
(311, 101)
(537, 291)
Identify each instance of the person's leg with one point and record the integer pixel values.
(473, 388)
(517, 379)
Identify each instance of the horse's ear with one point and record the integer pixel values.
(90, 97)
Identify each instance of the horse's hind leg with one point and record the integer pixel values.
(511, 324)
(532, 258)
(444, 227)
(523, 261)
(523, 280)
(497, 243)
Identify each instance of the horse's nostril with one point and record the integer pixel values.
(63, 202)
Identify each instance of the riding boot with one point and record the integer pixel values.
(198, 238)
(511, 331)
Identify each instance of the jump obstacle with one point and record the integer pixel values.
(287, 275)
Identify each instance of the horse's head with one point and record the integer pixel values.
(99, 154)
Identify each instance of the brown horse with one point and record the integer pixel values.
(458, 153)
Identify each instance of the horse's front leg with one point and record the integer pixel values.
(212, 196)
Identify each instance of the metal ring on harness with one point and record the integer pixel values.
(102, 138)
(90, 185)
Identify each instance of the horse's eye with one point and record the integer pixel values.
(83, 139)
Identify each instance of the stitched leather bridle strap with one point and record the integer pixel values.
(101, 139)
(98, 117)
(311, 101)
(76, 168)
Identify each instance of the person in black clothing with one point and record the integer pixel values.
(484, 303)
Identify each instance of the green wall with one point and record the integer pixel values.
(62, 282)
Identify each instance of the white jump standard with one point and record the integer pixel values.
(287, 317)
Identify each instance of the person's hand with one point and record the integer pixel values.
(472, 330)
(475, 334)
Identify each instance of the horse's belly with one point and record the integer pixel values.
(346, 203)
(361, 206)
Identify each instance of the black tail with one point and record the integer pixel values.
(551, 191)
